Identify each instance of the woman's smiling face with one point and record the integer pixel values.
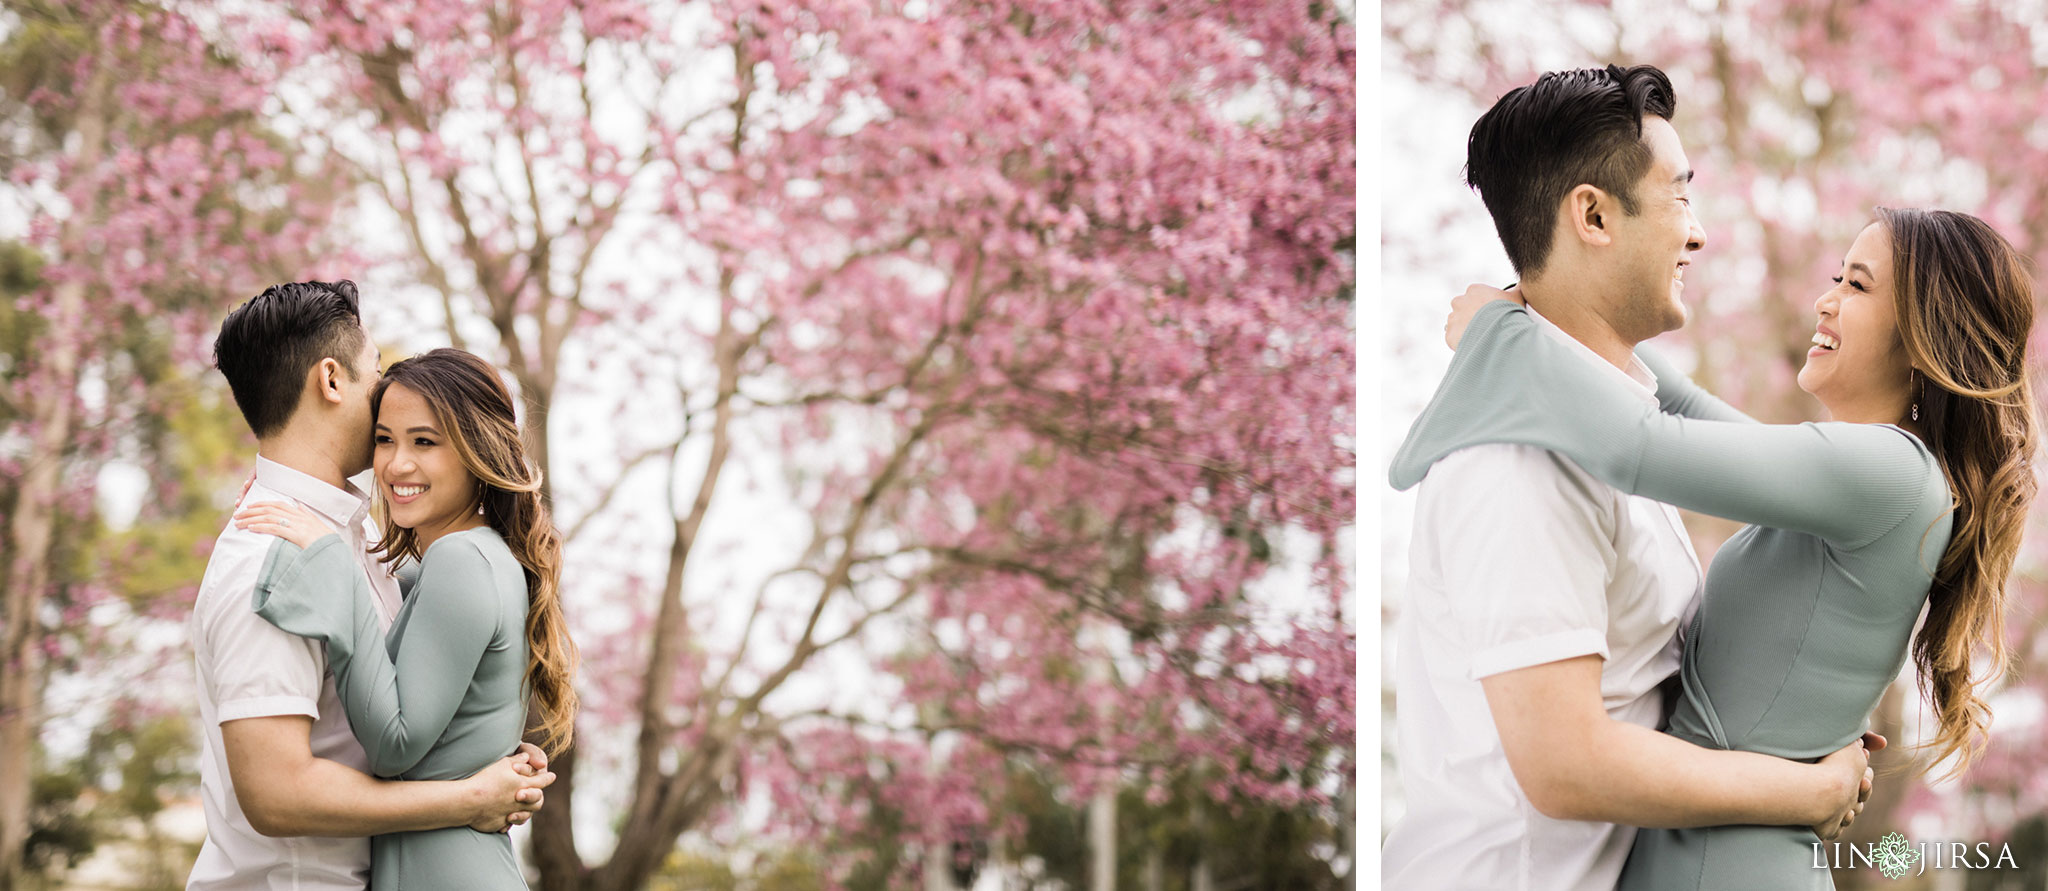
(1857, 366)
(422, 478)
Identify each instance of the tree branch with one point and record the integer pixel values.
(604, 498)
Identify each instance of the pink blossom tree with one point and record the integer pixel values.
(153, 194)
(1043, 308)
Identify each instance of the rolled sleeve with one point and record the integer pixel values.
(1527, 552)
(257, 670)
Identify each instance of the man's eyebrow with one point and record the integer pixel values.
(1685, 177)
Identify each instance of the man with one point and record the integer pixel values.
(283, 780)
(1545, 606)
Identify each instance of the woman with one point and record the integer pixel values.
(1914, 496)
(445, 693)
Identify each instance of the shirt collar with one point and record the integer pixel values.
(1641, 380)
(345, 507)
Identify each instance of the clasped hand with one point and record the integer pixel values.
(1467, 305)
(1852, 764)
(509, 791)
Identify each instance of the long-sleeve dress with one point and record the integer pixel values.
(438, 698)
(1807, 613)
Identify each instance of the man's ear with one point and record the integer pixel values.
(1587, 209)
(327, 374)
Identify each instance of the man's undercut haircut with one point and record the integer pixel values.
(267, 345)
(1544, 139)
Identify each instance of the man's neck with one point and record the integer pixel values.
(1574, 316)
(299, 453)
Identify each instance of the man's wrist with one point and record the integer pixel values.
(467, 804)
(1825, 789)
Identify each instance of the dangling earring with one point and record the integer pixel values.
(1918, 389)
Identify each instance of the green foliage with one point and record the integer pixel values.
(198, 448)
(63, 828)
(1244, 843)
(119, 782)
(21, 273)
(691, 871)
(40, 54)
(780, 869)
(149, 756)
(789, 870)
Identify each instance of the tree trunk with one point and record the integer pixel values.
(1102, 841)
(554, 835)
(1200, 880)
(938, 868)
(1101, 810)
(30, 533)
(1347, 832)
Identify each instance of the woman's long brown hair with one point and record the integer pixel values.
(1965, 306)
(474, 409)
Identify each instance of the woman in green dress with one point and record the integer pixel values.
(1912, 498)
(445, 691)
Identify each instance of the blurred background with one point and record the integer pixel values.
(1800, 116)
(949, 406)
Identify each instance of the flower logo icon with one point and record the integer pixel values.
(1894, 856)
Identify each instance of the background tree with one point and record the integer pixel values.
(1042, 308)
(136, 153)
(1033, 320)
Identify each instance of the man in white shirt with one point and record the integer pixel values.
(283, 782)
(1545, 606)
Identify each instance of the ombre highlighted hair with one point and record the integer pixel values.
(1965, 308)
(474, 409)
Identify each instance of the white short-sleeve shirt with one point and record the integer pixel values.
(1521, 558)
(247, 668)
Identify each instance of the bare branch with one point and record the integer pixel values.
(625, 470)
(837, 579)
(853, 630)
(1085, 751)
(410, 213)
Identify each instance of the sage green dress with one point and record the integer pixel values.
(439, 698)
(1807, 613)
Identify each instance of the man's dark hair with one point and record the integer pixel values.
(267, 345)
(1544, 139)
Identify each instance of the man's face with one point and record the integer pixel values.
(356, 401)
(1655, 244)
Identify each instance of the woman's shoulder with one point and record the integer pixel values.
(1906, 457)
(1916, 454)
(481, 544)
(1889, 447)
(475, 567)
